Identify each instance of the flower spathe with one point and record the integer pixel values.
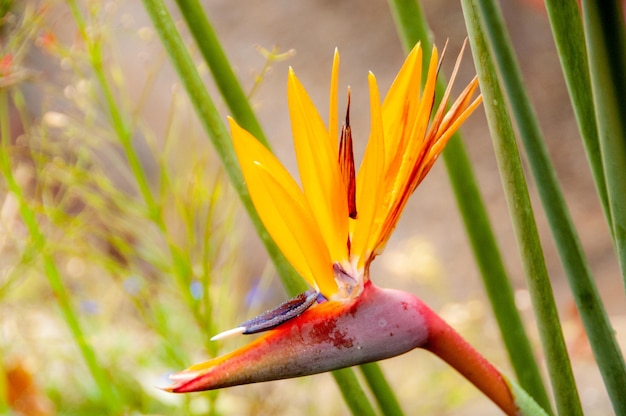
(331, 229)
(329, 247)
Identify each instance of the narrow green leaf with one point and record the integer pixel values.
(586, 296)
(352, 393)
(569, 38)
(606, 44)
(518, 200)
(413, 28)
(381, 390)
(226, 80)
(216, 131)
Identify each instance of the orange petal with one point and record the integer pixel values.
(319, 170)
(370, 179)
(284, 210)
(400, 105)
(409, 155)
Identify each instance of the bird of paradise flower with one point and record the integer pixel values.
(332, 229)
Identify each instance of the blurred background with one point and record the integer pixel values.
(148, 293)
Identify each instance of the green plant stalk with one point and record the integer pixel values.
(569, 38)
(606, 44)
(220, 138)
(382, 391)
(591, 309)
(105, 388)
(217, 132)
(413, 28)
(352, 393)
(30, 251)
(232, 92)
(518, 200)
(223, 75)
(181, 267)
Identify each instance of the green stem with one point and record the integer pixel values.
(213, 125)
(413, 28)
(569, 38)
(518, 200)
(606, 44)
(382, 391)
(105, 388)
(352, 393)
(451, 347)
(586, 296)
(225, 79)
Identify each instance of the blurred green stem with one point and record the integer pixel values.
(586, 296)
(108, 395)
(412, 28)
(518, 200)
(124, 133)
(216, 130)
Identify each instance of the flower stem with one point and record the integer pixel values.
(381, 390)
(213, 54)
(452, 348)
(352, 393)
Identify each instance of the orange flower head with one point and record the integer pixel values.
(333, 227)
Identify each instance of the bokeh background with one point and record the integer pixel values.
(115, 264)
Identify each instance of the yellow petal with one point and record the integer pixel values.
(319, 170)
(284, 211)
(400, 174)
(369, 188)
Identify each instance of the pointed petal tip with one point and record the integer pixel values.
(185, 375)
(229, 333)
(178, 379)
(168, 389)
(180, 382)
